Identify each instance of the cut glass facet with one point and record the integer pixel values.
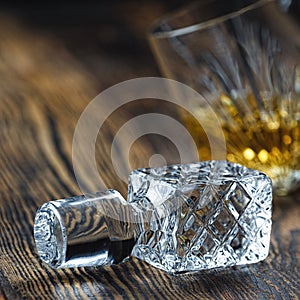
(213, 214)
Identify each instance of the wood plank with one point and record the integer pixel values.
(43, 90)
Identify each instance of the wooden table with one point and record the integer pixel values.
(45, 85)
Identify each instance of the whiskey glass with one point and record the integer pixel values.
(243, 57)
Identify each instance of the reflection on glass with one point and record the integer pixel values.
(244, 59)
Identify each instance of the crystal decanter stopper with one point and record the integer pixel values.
(177, 218)
(86, 230)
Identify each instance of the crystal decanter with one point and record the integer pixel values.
(177, 218)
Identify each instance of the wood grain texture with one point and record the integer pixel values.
(43, 90)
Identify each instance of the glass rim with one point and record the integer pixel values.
(200, 25)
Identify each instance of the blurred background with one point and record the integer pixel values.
(97, 33)
(104, 32)
(58, 55)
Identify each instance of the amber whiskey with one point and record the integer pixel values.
(261, 134)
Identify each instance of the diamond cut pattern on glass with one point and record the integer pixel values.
(207, 203)
(205, 244)
(214, 214)
(222, 224)
(238, 198)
